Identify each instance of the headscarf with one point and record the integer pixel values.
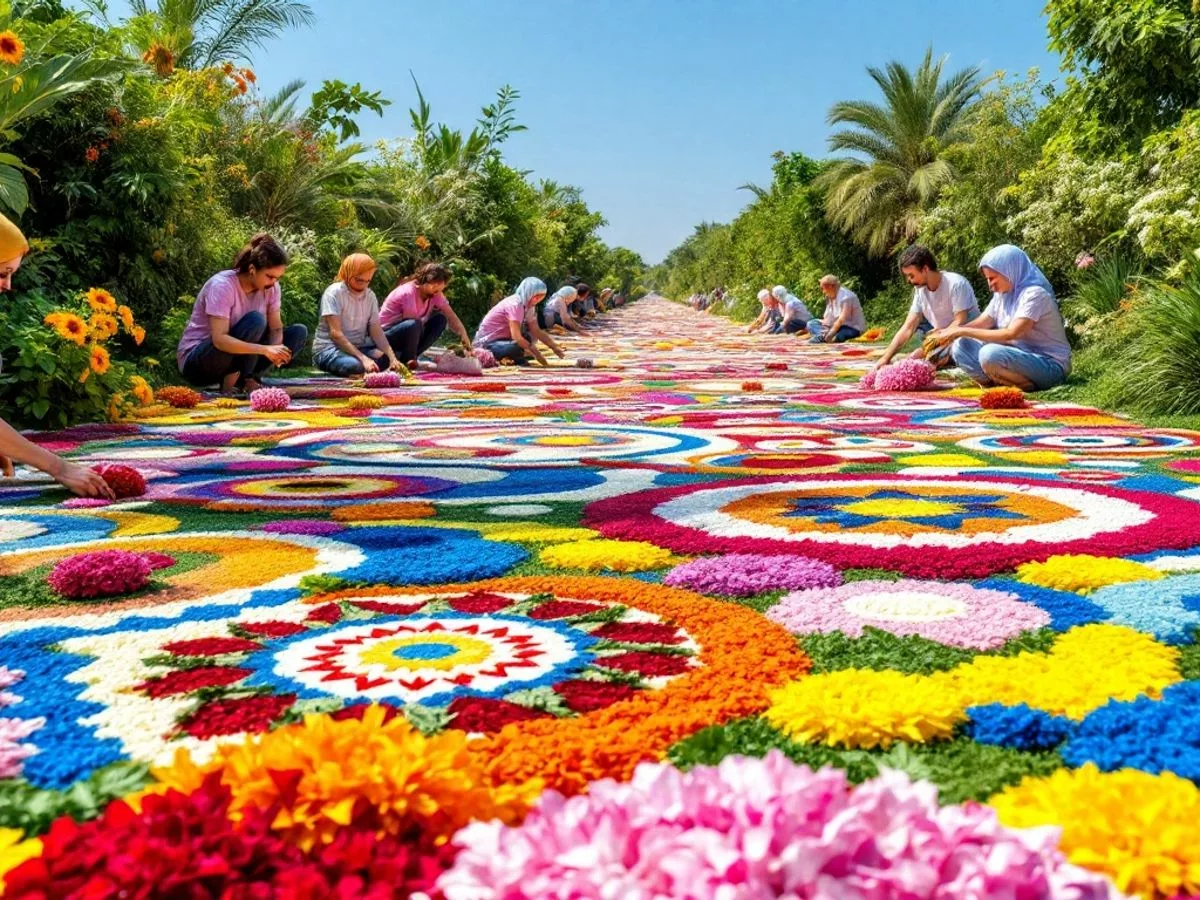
(1015, 265)
(763, 296)
(529, 288)
(779, 292)
(606, 293)
(354, 265)
(12, 241)
(566, 292)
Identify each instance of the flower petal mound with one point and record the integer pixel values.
(270, 400)
(905, 375)
(324, 774)
(615, 556)
(746, 574)
(865, 708)
(760, 828)
(1137, 828)
(386, 379)
(105, 573)
(1083, 574)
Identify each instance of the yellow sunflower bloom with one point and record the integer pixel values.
(12, 48)
(126, 315)
(101, 300)
(68, 326)
(139, 335)
(99, 360)
(102, 326)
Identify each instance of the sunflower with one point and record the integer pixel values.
(102, 326)
(142, 392)
(101, 300)
(99, 360)
(12, 48)
(126, 315)
(139, 335)
(68, 326)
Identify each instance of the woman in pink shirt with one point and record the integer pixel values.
(416, 313)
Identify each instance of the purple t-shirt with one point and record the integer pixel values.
(222, 297)
(406, 302)
(494, 326)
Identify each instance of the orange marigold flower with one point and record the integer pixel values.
(68, 326)
(92, 154)
(102, 326)
(12, 48)
(162, 59)
(1003, 398)
(422, 242)
(141, 390)
(139, 334)
(126, 315)
(84, 377)
(159, 256)
(227, 68)
(99, 360)
(249, 75)
(101, 300)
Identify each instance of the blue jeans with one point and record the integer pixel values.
(206, 365)
(795, 325)
(412, 337)
(337, 362)
(817, 329)
(506, 350)
(988, 364)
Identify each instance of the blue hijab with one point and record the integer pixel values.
(530, 288)
(567, 293)
(1015, 265)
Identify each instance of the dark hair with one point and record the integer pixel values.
(918, 256)
(431, 272)
(263, 252)
(582, 289)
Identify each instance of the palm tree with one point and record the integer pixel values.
(195, 34)
(899, 167)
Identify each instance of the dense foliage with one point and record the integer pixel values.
(1098, 180)
(168, 156)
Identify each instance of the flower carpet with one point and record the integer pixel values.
(707, 618)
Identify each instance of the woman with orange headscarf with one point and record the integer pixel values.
(350, 340)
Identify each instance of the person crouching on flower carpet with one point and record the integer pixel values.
(350, 339)
(415, 314)
(843, 319)
(510, 329)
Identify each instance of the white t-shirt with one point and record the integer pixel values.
(952, 296)
(796, 310)
(846, 300)
(356, 312)
(557, 304)
(1048, 337)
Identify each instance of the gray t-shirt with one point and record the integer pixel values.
(1048, 337)
(356, 312)
(846, 300)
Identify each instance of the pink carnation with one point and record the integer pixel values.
(106, 573)
(387, 379)
(905, 375)
(746, 574)
(867, 382)
(269, 400)
(761, 828)
(486, 358)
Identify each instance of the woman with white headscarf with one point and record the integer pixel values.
(795, 314)
(510, 329)
(1019, 340)
(770, 319)
(558, 309)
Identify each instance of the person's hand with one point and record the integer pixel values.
(278, 354)
(467, 345)
(368, 364)
(878, 365)
(397, 366)
(83, 482)
(943, 335)
(560, 354)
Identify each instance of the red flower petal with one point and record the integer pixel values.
(184, 681)
(395, 609)
(639, 633)
(328, 612)
(589, 696)
(272, 629)
(241, 714)
(481, 714)
(480, 603)
(561, 609)
(212, 646)
(649, 664)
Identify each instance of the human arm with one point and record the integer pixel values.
(457, 327)
(334, 323)
(380, 340)
(1014, 331)
(77, 479)
(514, 331)
(225, 342)
(835, 327)
(902, 337)
(274, 327)
(539, 335)
(757, 323)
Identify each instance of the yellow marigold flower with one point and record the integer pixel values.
(155, 411)
(1139, 829)
(115, 405)
(68, 326)
(14, 849)
(227, 403)
(142, 392)
(102, 326)
(12, 48)
(1083, 573)
(126, 315)
(17, 84)
(322, 774)
(99, 360)
(617, 556)
(101, 300)
(139, 335)
(365, 401)
(865, 708)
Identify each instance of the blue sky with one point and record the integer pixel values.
(658, 109)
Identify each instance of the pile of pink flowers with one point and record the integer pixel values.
(269, 400)
(386, 379)
(761, 828)
(746, 574)
(905, 375)
(486, 358)
(105, 573)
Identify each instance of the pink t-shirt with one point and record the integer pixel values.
(494, 326)
(406, 302)
(222, 297)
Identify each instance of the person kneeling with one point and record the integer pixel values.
(416, 313)
(349, 317)
(1019, 340)
(843, 319)
(235, 332)
(795, 314)
(510, 329)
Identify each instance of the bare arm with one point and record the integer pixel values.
(906, 331)
(514, 330)
(274, 327)
(76, 478)
(835, 327)
(457, 327)
(343, 343)
(380, 340)
(539, 335)
(227, 343)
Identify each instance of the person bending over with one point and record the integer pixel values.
(843, 319)
(510, 329)
(350, 339)
(770, 320)
(558, 309)
(795, 314)
(940, 299)
(415, 314)
(235, 332)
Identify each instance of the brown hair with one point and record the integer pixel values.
(263, 252)
(431, 272)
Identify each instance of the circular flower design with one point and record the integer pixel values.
(956, 614)
(924, 526)
(303, 491)
(1091, 442)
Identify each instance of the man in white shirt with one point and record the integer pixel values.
(843, 319)
(795, 314)
(940, 299)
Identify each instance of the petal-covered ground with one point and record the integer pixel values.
(342, 636)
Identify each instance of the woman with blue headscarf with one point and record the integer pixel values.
(510, 329)
(1019, 340)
